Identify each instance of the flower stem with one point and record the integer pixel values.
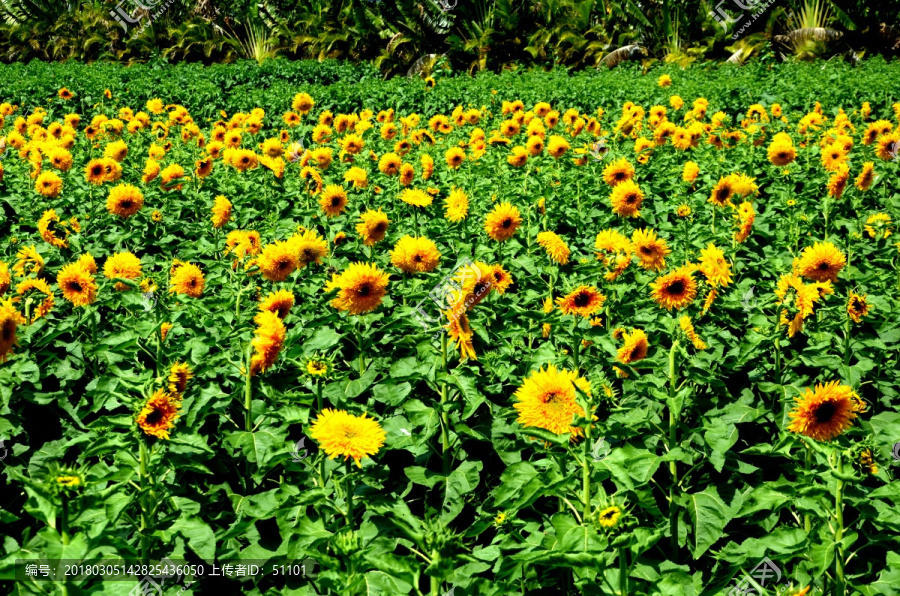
(839, 587)
(445, 419)
(144, 456)
(248, 394)
(349, 478)
(673, 465)
(623, 572)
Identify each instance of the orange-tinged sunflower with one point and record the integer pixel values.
(461, 333)
(584, 301)
(77, 284)
(179, 375)
(36, 285)
(857, 306)
(333, 200)
(501, 279)
(626, 199)
(278, 260)
(781, 153)
(866, 176)
(825, 413)
(555, 246)
(650, 250)
(48, 184)
(389, 164)
(722, 192)
(310, 248)
(676, 289)
(501, 223)
(339, 433)
(618, 171)
(221, 211)
(157, 416)
(303, 103)
(685, 323)
(415, 255)
(361, 288)
(416, 197)
(557, 146)
(456, 205)
(454, 157)
(357, 177)
(547, 400)
(635, 347)
(124, 200)
(123, 265)
(280, 302)
(821, 262)
(10, 319)
(372, 227)
(47, 227)
(267, 342)
(188, 279)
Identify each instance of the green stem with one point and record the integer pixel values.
(248, 394)
(586, 470)
(319, 406)
(673, 465)
(623, 571)
(359, 344)
(847, 342)
(349, 479)
(839, 586)
(64, 521)
(806, 519)
(576, 352)
(145, 539)
(445, 419)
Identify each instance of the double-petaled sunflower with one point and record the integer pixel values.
(357, 177)
(77, 284)
(333, 200)
(456, 205)
(267, 341)
(48, 184)
(123, 265)
(372, 227)
(502, 222)
(556, 247)
(124, 200)
(36, 285)
(650, 250)
(584, 301)
(825, 413)
(547, 399)
(339, 433)
(415, 255)
(557, 146)
(676, 289)
(278, 260)
(722, 192)
(221, 211)
(179, 375)
(635, 347)
(157, 416)
(187, 278)
(821, 262)
(857, 306)
(416, 197)
(714, 266)
(10, 319)
(389, 164)
(685, 323)
(618, 171)
(310, 248)
(626, 199)
(47, 227)
(361, 288)
(280, 302)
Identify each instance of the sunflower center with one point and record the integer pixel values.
(582, 300)
(825, 412)
(154, 418)
(127, 204)
(823, 266)
(364, 290)
(9, 330)
(75, 287)
(676, 287)
(506, 223)
(631, 198)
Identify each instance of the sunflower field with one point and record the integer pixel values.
(506, 347)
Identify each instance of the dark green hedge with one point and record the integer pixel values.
(340, 86)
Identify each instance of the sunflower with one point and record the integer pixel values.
(857, 306)
(685, 323)
(372, 227)
(825, 413)
(878, 225)
(618, 171)
(461, 334)
(415, 255)
(333, 200)
(88, 262)
(357, 177)
(310, 248)
(5, 278)
(547, 399)
(361, 288)
(456, 205)
(318, 367)
(188, 279)
(65, 94)
(502, 222)
(555, 246)
(801, 298)
(557, 146)
(454, 157)
(416, 197)
(10, 319)
(36, 285)
(179, 375)
(303, 103)
(609, 517)
(169, 177)
(47, 226)
(781, 153)
(157, 416)
(866, 176)
(77, 284)
(500, 279)
(584, 301)
(626, 199)
(116, 150)
(821, 262)
(268, 339)
(714, 266)
(278, 260)
(722, 192)
(635, 347)
(48, 184)
(123, 265)
(650, 250)
(340, 433)
(518, 156)
(221, 211)
(389, 164)
(534, 145)
(676, 289)
(124, 200)
(279, 302)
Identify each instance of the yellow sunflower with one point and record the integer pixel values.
(650, 250)
(618, 171)
(547, 399)
(714, 266)
(456, 205)
(10, 319)
(77, 284)
(555, 246)
(48, 184)
(179, 375)
(857, 306)
(610, 516)
(268, 339)
(221, 211)
(416, 197)
(626, 199)
(502, 222)
(676, 289)
(310, 248)
(124, 200)
(361, 288)
(278, 260)
(584, 301)
(157, 416)
(821, 262)
(389, 164)
(635, 347)
(333, 200)
(415, 255)
(280, 302)
(123, 265)
(188, 279)
(825, 413)
(339, 433)
(372, 227)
